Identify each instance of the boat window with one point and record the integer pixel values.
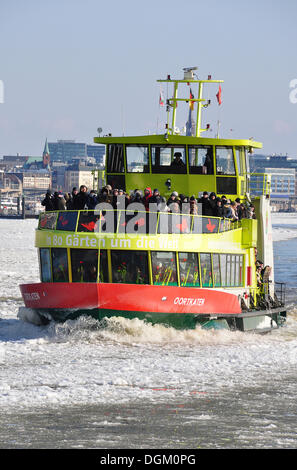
(233, 265)
(226, 185)
(228, 270)
(103, 270)
(200, 160)
(84, 265)
(168, 159)
(67, 221)
(189, 270)
(238, 270)
(247, 160)
(223, 265)
(240, 158)
(60, 265)
(164, 268)
(47, 220)
(129, 267)
(206, 270)
(115, 160)
(216, 270)
(225, 161)
(88, 222)
(137, 159)
(45, 265)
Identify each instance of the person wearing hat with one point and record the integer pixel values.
(206, 206)
(156, 197)
(80, 200)
(193, 206)
(173, 198)
(218, 210)
(177, 162)
(59, 201)
(212, 202)
(147, 197)
(48, 202)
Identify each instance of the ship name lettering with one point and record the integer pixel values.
(188, 301)
(31, 296)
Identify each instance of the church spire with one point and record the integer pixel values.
(46, 154)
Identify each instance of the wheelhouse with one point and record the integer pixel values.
(215, 165)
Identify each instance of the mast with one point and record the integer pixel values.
(189, 78)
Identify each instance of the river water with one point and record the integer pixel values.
(130, 385)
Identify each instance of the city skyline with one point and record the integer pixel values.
(69, 67)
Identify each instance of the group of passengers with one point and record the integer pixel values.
(212, 205)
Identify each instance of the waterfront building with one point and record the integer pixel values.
(79, 174)
(66, 150)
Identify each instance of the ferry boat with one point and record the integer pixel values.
(178, 268)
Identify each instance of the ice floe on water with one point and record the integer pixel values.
(85, 362)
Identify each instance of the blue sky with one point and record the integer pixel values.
(70, 66)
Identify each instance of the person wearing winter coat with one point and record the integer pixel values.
(92, 200)
(48, 202)
(80, 199)
(59, 202)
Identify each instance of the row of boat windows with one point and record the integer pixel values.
(161, 158)
(141, 267)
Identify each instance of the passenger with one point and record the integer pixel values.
(162, 205)
(156, 197)
(178, 162)
(212, 202)
(250, 212)
(174, 208)
(233, 207)
(173, 198)
(146, 198)
(241, 211)
(206, 206)
(80, 200)
(219, 210)
(259, 275)
(193, 206)
(92, 200)
(136, 196)
(48, 202)
(208, 163)
(68, 199)
(115, 194)
(105, 196)
(59, 201)
(224, 200)
(74, 192)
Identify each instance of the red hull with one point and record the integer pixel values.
(128, 297)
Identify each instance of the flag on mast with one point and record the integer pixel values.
(219, 95)
(161, 98)
(191, 103)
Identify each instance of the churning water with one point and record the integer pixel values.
(126, 384)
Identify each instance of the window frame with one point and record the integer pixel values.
(201, 171)
(223, 173)
(173, 253)
(147, 165)
(167, 169)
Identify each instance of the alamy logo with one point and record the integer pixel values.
(293, 93)
(1, 91)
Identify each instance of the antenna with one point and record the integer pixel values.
(189, 73)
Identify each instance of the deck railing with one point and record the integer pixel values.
(260, 184)
(131, 221)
